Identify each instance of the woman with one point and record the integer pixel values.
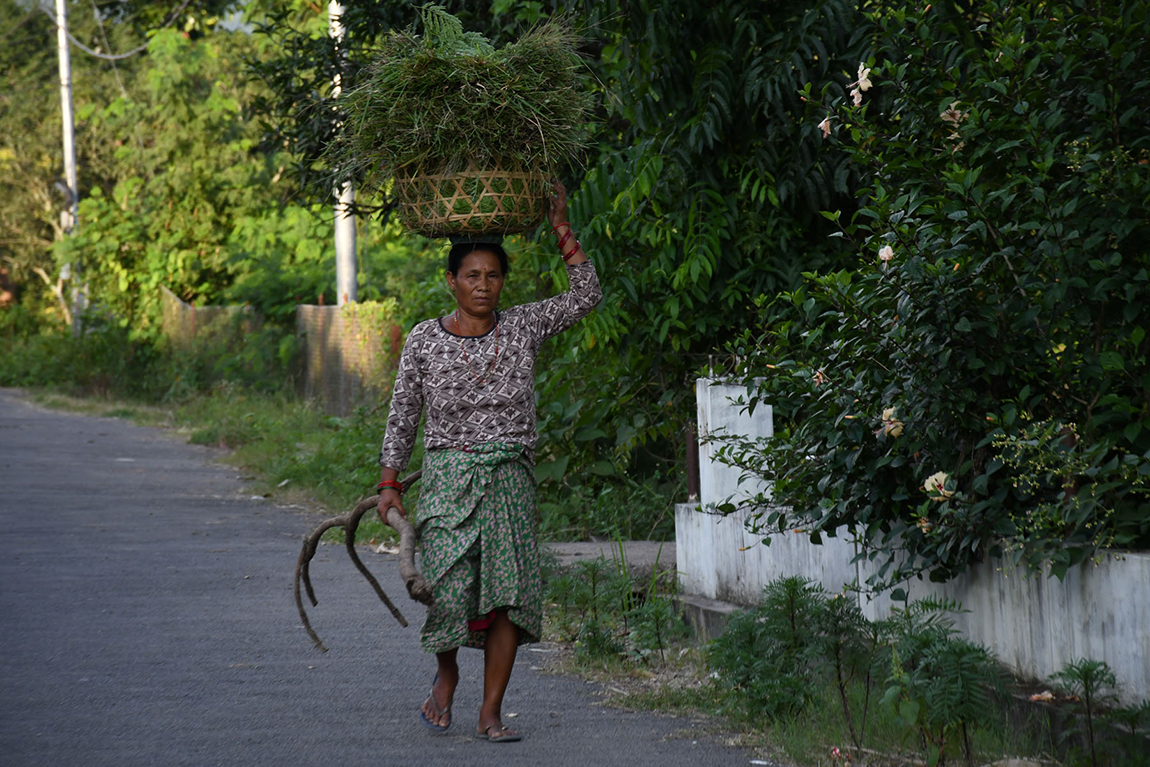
(472, 374)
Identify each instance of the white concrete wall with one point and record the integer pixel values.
(1037, 624)
(719, 413)
(1034, 624)
(718, 558)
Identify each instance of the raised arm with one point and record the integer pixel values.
(569, 246)
(554, 315)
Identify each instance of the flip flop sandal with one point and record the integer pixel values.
(439, 712)
(503, 735)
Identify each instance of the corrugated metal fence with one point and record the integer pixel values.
(350, 353)
(185, 324)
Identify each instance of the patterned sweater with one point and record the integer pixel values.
(470, 396)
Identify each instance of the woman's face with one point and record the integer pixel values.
(477, 283)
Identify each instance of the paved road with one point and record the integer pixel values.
(146, 618)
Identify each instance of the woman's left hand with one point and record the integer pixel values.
(557, 204)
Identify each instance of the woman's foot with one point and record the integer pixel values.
(497, 733)
(498, 659)
(433, 715)
(436, 711)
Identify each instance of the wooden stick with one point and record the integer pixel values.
(417, 588)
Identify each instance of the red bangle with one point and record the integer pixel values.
(564, 238)
(568, 256)
(391, 484)
(559, 225)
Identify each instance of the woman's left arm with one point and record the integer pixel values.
(569, 247)
(554, 315)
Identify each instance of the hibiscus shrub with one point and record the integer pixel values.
(979, 384)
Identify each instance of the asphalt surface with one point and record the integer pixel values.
(147, 618)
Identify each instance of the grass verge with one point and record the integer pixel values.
(685, 688)
(770, 683)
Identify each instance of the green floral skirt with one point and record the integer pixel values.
(479, 544)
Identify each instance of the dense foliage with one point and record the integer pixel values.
(31, 152)
(175, 191)
(980, 383)
(32, 192)
(704, 195)
(957, 356)
(181, 180)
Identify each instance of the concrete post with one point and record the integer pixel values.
(70, 216)
(345, 261)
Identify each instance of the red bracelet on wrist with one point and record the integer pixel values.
(564, 238)
(559, 225)
(390, 484)
(568, 256)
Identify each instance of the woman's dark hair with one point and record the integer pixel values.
(462, 250)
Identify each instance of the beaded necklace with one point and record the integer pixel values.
(494, 361)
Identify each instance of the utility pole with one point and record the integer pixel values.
(70, 217)
(345, 265)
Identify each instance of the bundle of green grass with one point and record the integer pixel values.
(465, 135)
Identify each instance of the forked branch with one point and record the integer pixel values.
(417, 588)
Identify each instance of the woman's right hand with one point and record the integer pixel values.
(389, 498)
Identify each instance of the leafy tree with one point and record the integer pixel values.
(189, 203)
(704, 193)
(979, 383)
(182, 175)
(31, 164)
(31, 155)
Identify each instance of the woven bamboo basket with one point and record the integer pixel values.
(471, 201)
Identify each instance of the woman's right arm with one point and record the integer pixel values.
(402, 424)
(389, 497)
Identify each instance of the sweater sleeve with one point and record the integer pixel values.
(406, 407)
(552, 316)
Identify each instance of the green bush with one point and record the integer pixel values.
(940, 685)
(607, 612)
(1001, 297)
(767, 654)
(777, 658)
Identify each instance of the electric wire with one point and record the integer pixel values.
(116, 56)
(17, 25)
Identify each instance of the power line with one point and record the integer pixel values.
(104, 37)
(118, 56)
(18, 24)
